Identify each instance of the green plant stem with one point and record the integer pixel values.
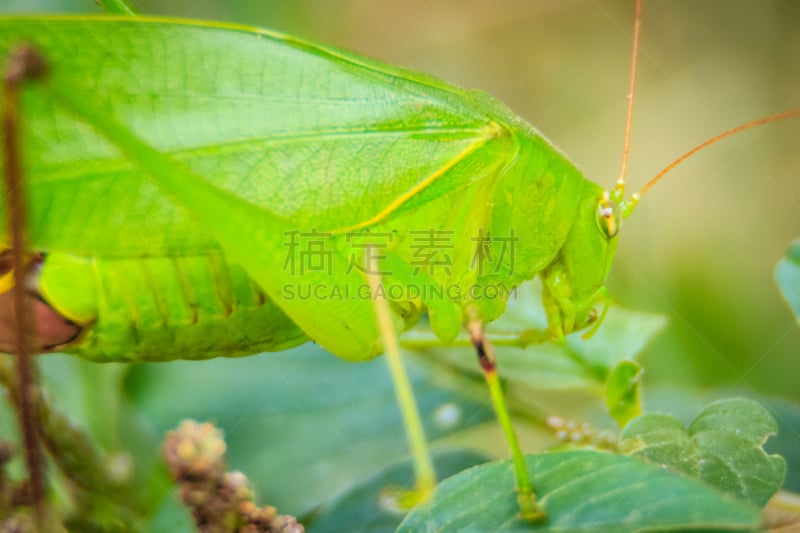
(119, 7)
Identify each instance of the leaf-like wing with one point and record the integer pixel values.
(317, 137)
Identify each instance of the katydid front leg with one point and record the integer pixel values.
(425, 477)
(526, 498)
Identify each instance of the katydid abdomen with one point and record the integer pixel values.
(317, 140)
(156, 309)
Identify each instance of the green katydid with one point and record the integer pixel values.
(338, 151)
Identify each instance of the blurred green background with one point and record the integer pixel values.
(702, 247)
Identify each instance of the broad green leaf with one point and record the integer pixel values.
(302, 424)
(577, 364)
(787, 275)
(785, 443)
(582, 491)
(622, 392)
(684, 404)
(367, 506)
(722, 447)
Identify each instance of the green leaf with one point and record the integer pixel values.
(365, 507)
(785, 443)
(685, 404)
(622, 392)
(582, 491)
(722, 447)
(302, 424)
(577, 364)
(787, 275)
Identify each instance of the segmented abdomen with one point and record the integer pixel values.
(165, 308)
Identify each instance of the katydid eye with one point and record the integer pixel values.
(609, 217)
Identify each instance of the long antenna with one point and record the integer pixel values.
(737, 129)
(619, 190)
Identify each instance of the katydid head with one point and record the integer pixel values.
(575, 281)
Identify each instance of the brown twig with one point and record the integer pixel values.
(24, 64)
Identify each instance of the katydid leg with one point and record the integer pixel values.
(526, 497)
(424, 473)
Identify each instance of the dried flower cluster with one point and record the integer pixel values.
(220, 501)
